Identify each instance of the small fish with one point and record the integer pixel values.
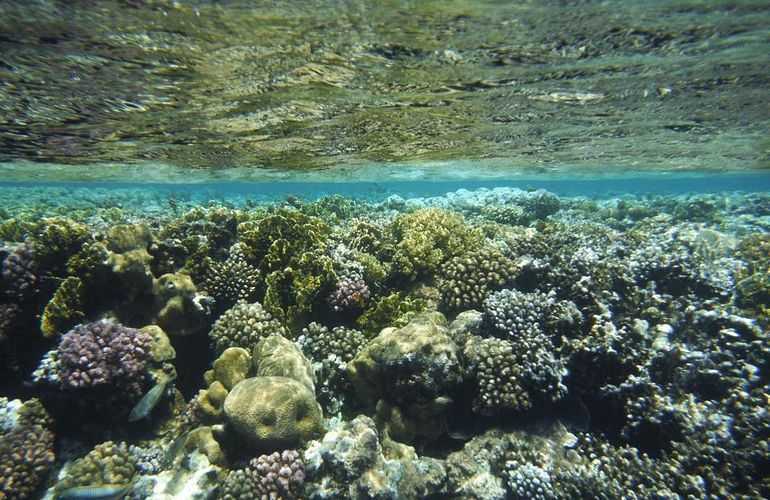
(150, 400)
(96, 492)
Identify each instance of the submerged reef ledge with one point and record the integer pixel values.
(484, 344)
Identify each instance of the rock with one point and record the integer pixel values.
(277, 356)
(410, 373)
(350, 462)
(273, 413)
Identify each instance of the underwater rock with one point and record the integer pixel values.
(180, 309)
(276, 356)
(350, 462)
(273, 413)
(413, 371)
(192, 478)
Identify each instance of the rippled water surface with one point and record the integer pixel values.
(535, 86)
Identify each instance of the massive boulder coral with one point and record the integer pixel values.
(276, 356)
(409, 375)
(273, 413)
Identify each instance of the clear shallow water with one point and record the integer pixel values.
(327, 84)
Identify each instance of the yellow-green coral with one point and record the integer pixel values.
(391, 310)
(65, 309)
(277, 239)
(292, 292)
(56, 239)
(427, 238)
(107, 463)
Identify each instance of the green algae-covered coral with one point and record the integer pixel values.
(244, 325)
(428, 238)
(293, 292)
(395, 309)
(275, 240)
(56, 239)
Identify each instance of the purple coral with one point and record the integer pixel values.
(104, 354)
(350, 294)
(278, 475)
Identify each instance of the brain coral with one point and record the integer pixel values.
(273, 413)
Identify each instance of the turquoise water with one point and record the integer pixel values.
(388, 250)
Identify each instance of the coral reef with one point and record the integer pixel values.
(591, 348)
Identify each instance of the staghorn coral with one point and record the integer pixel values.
(468, 279)
(275, 476)
(244, 325)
